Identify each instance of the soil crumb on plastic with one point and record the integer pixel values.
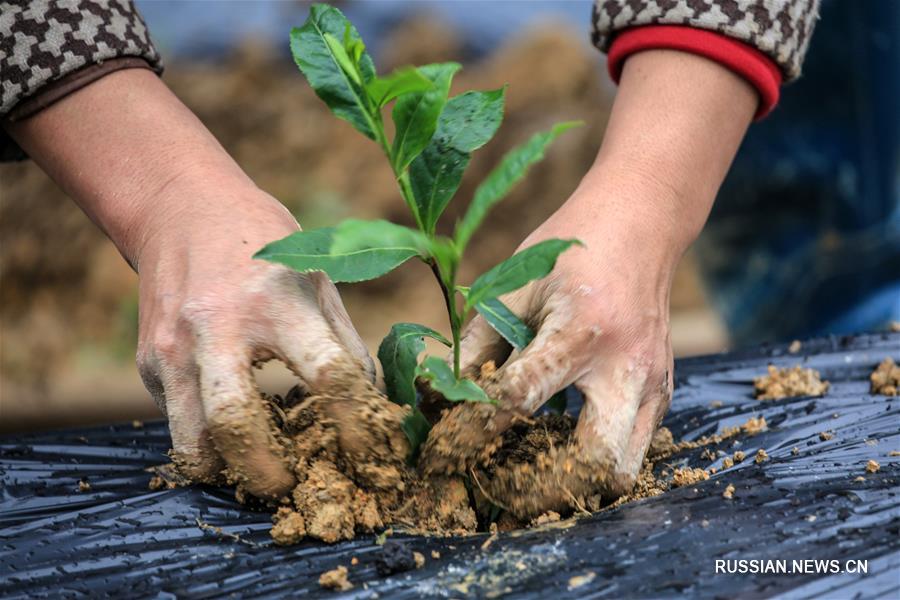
(581, 580)
(886, 378)
(739, 456)
(761, 456)
(435, 554)
(872, 466)
(789, 383)
(727, 462)
(754, 425)
(289, 527)
(795, 347)
(419, 559)
(825, 435)
(728, 494)
(396, 557)
(84, 485)
(688, 476)
(336, 579)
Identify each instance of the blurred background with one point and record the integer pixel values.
(68, 302)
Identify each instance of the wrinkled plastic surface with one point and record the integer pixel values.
(120, 539)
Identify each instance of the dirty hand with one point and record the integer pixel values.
(208, 311)
(602, 323)
(602, 315)
(186, 217)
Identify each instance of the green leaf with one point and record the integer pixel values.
(416, 114)
(324, 66)
(505, 322)
(398, 354)
(440, 377)
(470, 120)
(313, 250)
(354, 235)
(434, 177)
(504, 177)
(402, 81)
(467, 122)
(531, 263)
(416, 428)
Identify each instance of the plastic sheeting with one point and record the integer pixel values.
(121, 539)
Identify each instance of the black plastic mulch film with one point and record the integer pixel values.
(120, 539)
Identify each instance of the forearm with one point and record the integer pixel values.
(676, 124)
(117, 146)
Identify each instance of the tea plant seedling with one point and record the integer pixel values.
(435, 136)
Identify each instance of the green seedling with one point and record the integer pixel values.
(434, 138)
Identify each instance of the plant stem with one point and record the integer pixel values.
(448, 288)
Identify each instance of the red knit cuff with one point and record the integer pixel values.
(748, 62)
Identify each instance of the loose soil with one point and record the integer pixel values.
(348, 454)
(789, 383)
(886, 378)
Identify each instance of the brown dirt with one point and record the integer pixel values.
(349, 456)
(348, 453)
(789, 383)
(886, 378)
(336, 579)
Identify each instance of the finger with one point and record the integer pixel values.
(647, 421)
(552, 361)
(615, 399)
(479, 344)
(308, 345)
(336, 315)
(194, 453)
(238, 423)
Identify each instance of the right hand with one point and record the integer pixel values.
(209, 312)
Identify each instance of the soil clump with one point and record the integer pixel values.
(348, 453)
(885, 379)
(789, 383)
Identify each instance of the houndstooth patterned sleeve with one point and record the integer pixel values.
(780, 29)
(50, 48)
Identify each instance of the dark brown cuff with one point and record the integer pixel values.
(59, 89)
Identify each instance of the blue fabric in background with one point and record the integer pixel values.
(804, 238)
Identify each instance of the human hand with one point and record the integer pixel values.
(208, 312)
(601, 317)
(601, 320)
(186, 217)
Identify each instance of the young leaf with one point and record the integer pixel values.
(434, 177)
(321, 63)
(505, 322)
(440, 377)
(398, 354)
(343, 59)
(402, 81)
(507, 174)
(416, 114)
(311, 250)
(531, 263)
(467, 122)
